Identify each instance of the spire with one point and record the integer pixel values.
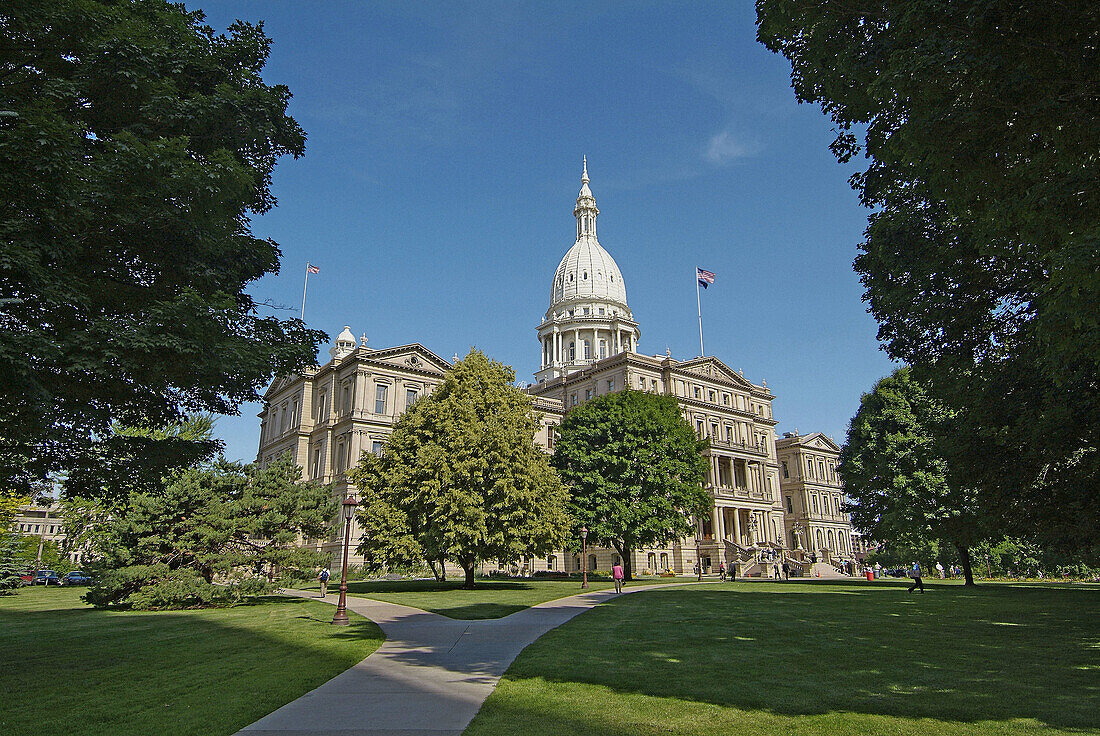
(586, 210)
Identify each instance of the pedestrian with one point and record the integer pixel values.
(914, 572)
(323, 576)
(786, 571)
(939, 569)
(722, 571)
(617, 576)
(775, 571)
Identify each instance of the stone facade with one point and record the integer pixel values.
(46, 522)
(813, 496)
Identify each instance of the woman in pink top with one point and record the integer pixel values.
(617, 576)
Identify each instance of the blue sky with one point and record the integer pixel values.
(444, 157)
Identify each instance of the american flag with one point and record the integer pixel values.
(310, 268)
(705, 277)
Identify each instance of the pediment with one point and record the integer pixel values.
(714, 368)
(279, 384)
(819, 441)
(415, 357)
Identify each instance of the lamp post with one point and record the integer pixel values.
(584, 557)
(340, 618)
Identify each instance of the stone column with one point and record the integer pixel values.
(714, 521)
(578, 351)
(737, 525)
(721, 532)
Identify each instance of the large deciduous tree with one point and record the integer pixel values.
(981, 261)
(461, 478)
(896, 474)
(214, 533)
(135, 145)
(635, 470)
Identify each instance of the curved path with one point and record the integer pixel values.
(431, 675)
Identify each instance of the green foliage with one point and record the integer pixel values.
(635, 470)
(461, 478)
(982, 258)
(210, 536)
(135, 148)
(9, 507)
(895, 473)
(10, 566)
(53, 557)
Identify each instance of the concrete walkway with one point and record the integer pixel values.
(431, 675)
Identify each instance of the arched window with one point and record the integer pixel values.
(572, 351)
(551, 563)
(832, 540)
(570, 278)
(587, 349)
(820, 540)
(592, 562)
(664, 560)
(651, 561)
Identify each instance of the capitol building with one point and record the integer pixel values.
(776, 499)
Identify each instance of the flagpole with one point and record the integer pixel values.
(699, 304)
(304, 287)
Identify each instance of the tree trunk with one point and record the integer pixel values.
(964, 555)
(624, 554)
(438, 573)
(468, 568)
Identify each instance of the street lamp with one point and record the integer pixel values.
(699, 551)
(341, 616)
(584, 557)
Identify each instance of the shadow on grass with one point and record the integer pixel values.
(364, 587)
(147, 672)
(954, 654)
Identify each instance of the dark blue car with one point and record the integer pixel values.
(46, 577)
(76, 577)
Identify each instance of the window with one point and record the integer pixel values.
(592, 563)
(786, 472)
(821, 470)
(321, 416)
(341, 455)
(317, 463)
(602, 311)
(551, 563)
(588, 394)
(347, 397)
(809, 467)
(611, 385)
(790, 506)
(698, 392)
(726, 399)
(814, 499)
(711, 397)
(664, 560)
(411, 395)
(603, 348)
(714, 431)
(641, 383)
(573, 399)
(295, 417)
(549, 438)
(653, 384)
(380, 398)
(572, 351)
(587, 350)
(376, 448)
(699, 427)
(651, 561)
(586, 311)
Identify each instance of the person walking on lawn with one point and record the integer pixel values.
(323, 576)
(617, 576)
(722, 571)
(914, 572)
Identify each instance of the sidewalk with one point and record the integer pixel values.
(431, 675)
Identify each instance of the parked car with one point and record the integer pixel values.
(26, 577)
(46, 577)
(76, 577)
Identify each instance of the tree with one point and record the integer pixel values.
(135, 145)
(981, 260)
(896, 476)
(635, 470)
(461, 478)
(10, 567)
(210, 536)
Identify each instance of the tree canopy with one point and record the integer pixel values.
(135, 145)
(216, 532)
(981, 259)
(897, 477)
(635, 471)
(461, 478)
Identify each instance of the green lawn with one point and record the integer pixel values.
(70, 669)
(813, 658)
(490, 599)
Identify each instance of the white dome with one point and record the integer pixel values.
(588, 272)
